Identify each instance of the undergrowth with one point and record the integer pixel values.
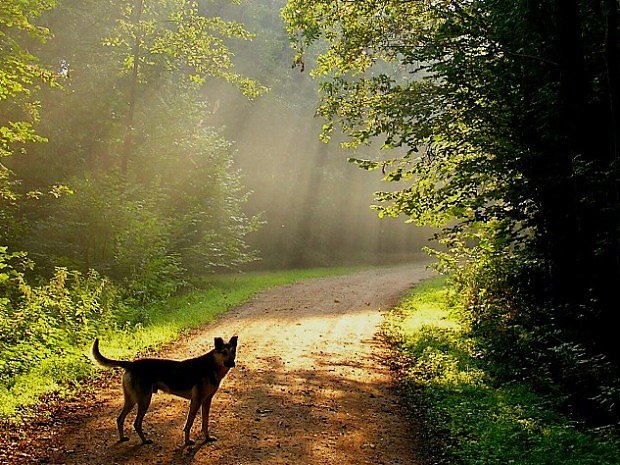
(484, 421)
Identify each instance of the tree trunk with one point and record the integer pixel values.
(561, 196)
(133, 87)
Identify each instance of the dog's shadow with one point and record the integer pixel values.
(184, 455)
(181, 455)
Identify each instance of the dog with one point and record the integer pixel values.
(196, 379)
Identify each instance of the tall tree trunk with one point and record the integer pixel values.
(612, 62)
(561, 207)
(304, 242)
(585, 256)
(611, 278)
(133, 87)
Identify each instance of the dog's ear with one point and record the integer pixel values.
(233, 341)
(219, 343)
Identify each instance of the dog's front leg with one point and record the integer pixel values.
(206, 407)
(191, 416)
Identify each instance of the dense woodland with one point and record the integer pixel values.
(145, 144)
(495, 122)
(508, 113)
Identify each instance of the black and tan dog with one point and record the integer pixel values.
(196, 379)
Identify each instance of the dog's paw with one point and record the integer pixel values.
(123, 439)
(210, 439)
(189, 442)
(147, 441)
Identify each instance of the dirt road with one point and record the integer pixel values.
(310, 386)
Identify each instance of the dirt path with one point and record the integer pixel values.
(310, 385)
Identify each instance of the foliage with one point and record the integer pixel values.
(528, 341)
(149, 236)
(153, 191)
(504, 120)
(177, 35)
(20, 77)
(485, 421)
(19, 71)
(37, 322)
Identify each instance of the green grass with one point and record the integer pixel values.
(163, 323)
(484, 423)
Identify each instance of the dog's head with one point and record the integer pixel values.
(225, 352)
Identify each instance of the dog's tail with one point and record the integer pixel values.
(107, 362)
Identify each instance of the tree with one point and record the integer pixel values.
(19, 71)
(128, 133)
(20, 75)
(507, 114)
(158, 36)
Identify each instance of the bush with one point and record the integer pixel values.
(482, 419)
(39, 321)
(528, 336)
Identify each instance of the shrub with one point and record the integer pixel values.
(39, 321)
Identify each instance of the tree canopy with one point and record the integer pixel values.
(152, 190)
(506, 118)
(20, 75)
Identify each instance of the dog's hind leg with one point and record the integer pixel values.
(191, 416)
(128, 405)
(143, 405)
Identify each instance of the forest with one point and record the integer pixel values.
(150, 149)
(508, 117)
(132, 140)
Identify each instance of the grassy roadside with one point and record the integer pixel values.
(483, 422)
(161, 323)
